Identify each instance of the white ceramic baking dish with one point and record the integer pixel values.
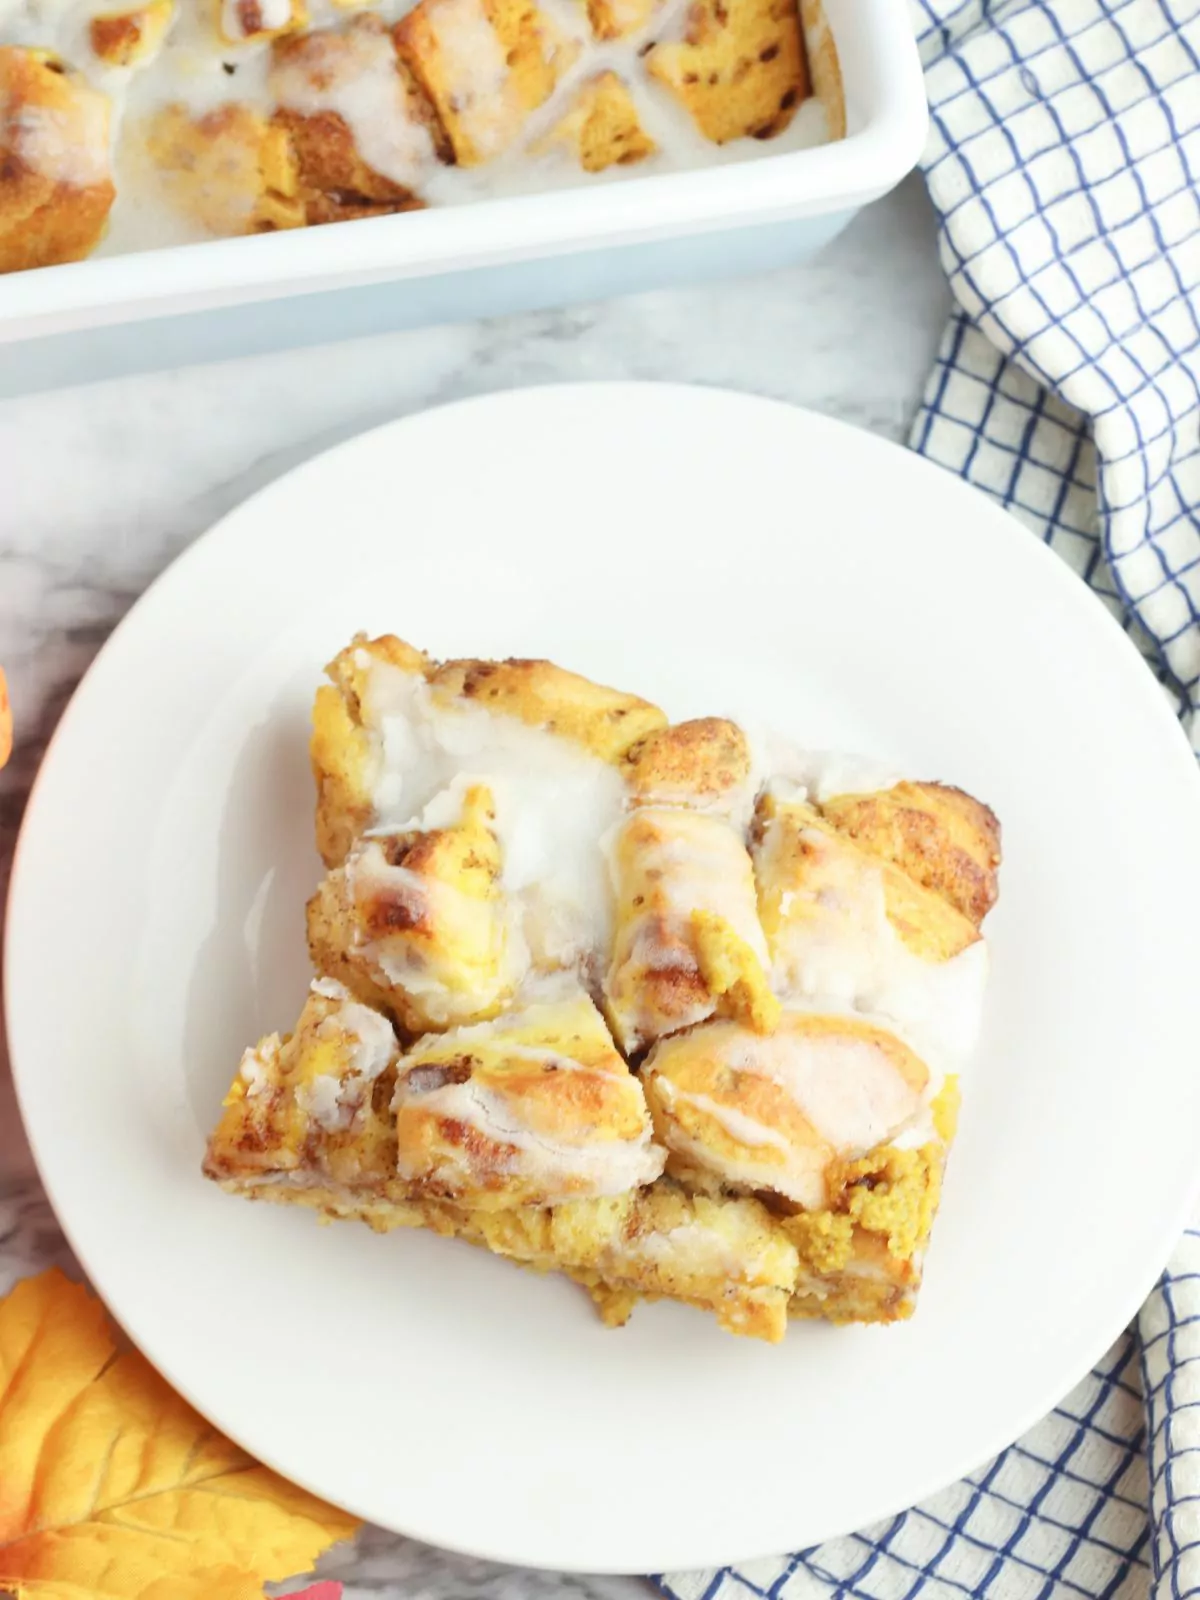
(237, 296)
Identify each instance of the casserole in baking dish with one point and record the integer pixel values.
(590, 239)
(169, 121)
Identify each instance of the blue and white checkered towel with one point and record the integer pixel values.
(1064, 164)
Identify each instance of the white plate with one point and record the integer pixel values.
(716, 553)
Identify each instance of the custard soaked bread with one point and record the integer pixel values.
(602, 126)
(315, 80)
(646, 1004)
(228, 170)
(740, 68)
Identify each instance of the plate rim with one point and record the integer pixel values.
(1073, 591)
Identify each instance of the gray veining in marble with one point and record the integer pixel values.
(100, 487)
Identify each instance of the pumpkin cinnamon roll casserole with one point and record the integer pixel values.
(675, 1013)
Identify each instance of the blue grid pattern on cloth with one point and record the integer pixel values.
(1064, 165)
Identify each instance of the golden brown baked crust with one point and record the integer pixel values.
(535, 1108)
(415, 923)
(56, 186)
(704, 764)
(740, 68)
(803, 859)
(129, 38)
(775, 1154)
(857, 1258)
(602, 126)
(335, 183)
(687, 944)
(601, 720)
(315, 1103)
(937, 835)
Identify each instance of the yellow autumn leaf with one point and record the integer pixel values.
(113, 1488)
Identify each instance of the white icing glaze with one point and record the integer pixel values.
(433, 971)
(551, 1060)
(329, 988)
(372, 1041)
(735, 806)
(325, 1100)
(369, 1046)
(822, 775)
(486, 109)
(847, 1089)
(744, 1129)
(65, 147)
(920, 1128)
(558, 1167)
(57, 25)
(694, 863)
(243, 19)
(703, 866)
(259, 1064)
(358, 82)
(920, 1131)
(553, 802)
(838, 944)
(544, 988)
(457, 914)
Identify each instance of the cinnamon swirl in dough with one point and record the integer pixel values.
(531, 1109)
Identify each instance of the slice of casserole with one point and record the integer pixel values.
(648, 1005)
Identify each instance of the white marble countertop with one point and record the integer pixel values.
(100, 487)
